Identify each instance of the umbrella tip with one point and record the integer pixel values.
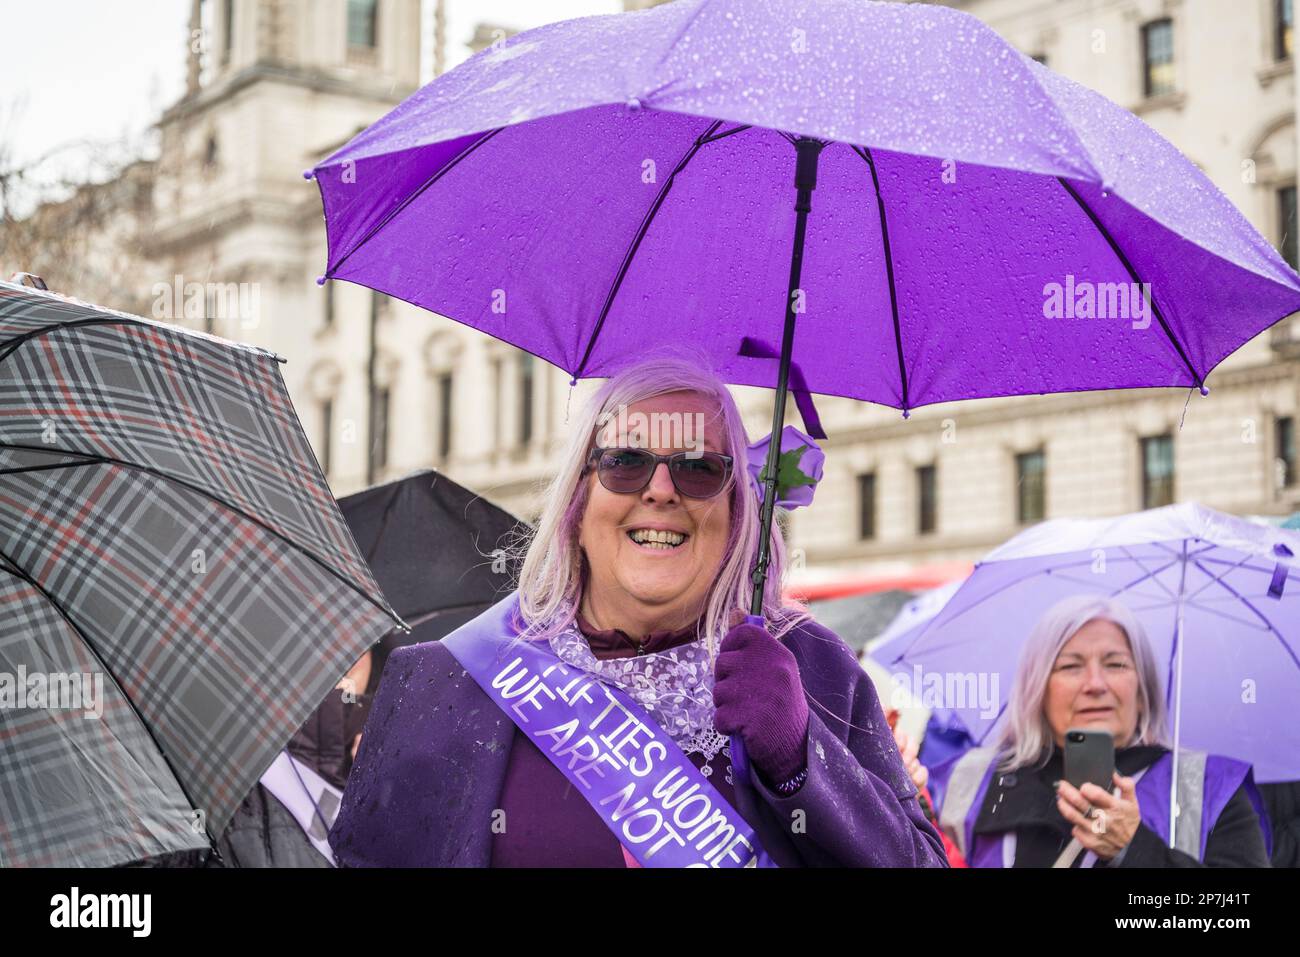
(1205, 390)
(907, 414)
(308, 174)
(320, 280)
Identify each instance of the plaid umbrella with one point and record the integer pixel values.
(178, 589)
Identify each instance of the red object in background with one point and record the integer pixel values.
(917, 579)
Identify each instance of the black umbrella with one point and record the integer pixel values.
(437, 550)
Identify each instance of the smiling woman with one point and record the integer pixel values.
(1089, 666)
(625, 667)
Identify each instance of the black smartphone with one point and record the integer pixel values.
(1089, 756)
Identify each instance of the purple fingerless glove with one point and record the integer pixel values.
(758, 695)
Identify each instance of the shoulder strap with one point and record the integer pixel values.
(1190, 797)
(964, 784)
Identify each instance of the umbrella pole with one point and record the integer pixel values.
(1178, 702)
(805, 181)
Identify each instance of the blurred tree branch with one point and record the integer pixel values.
(76, 215)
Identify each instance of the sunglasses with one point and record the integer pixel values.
(694, 474)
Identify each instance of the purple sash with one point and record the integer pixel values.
(654, 800)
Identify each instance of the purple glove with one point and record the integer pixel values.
(758, 695)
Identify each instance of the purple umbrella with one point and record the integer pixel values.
(590, 188)
(594, 188)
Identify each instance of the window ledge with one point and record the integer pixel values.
(1161, 101)
(1267, 74)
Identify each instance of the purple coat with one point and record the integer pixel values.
(428, 776)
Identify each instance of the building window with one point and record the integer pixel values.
(867, 506)
(326, 435)
(1031, 487)
(1283, 27)
(1286, 225)
(1157, 471)
(1284, 437)
(329, 304)
(525, 398)
(1158, 57)
(379, 431)
(925, 499)
(362, 20)
(444, 416)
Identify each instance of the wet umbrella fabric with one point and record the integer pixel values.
(592, 187)
(165, 527)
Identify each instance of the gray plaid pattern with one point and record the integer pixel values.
(156, 485)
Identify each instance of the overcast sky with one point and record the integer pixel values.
(74, 70)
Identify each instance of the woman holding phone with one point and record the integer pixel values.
(1088, 665)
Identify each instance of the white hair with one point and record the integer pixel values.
(1027, 737)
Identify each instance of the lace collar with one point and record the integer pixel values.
(674, 686)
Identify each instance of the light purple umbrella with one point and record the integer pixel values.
(595, 188)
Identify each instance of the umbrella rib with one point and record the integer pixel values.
(1262, 617)
(15, 569)
(1215, 578)
(725, 133)
(13, 344)
(1133, 275)
(199, 490)
(889, 270)
(45, 468)
(415, 194)
(646, 221)
(1150, 575)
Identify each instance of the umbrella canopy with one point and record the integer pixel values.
(594, 187)
(1219, 599)
(437, 549)
(179, 588)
